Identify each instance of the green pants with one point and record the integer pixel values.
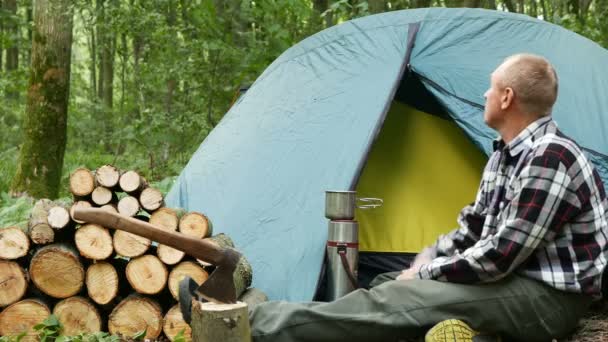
(517, 308)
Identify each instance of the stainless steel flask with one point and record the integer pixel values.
(342, 258)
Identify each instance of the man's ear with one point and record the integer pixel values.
(507, 98)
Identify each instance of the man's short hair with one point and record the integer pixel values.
(533, 80)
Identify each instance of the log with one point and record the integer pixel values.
(130, 245)
(169, 255)
(132, 183)
(151, 199)
(128, 206)
(14, 243)
(102, 196)
(135, 314)
(107, 176)
(221, 240)
(79, 204)
(196, 225)
(13, 282)
(174, 323)
(165, 218)
(253, 296)
(220, 322)
(111, 207)
(147, 274)
(102, 282)
(57, 271)
(94, 242)
(82, 182)
(22, 317)
(59, 217)
(77, 315)
(42, 234)
(39, 229)
(183, 269)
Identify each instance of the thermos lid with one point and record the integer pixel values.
(343, 231)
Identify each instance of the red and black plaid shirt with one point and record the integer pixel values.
(540, 212)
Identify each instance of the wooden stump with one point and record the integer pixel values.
(130, 245)
(196, 225)
(82, 182)
(79, 204)
(134, 314)
(77, 315)
(174, 323)
(169, 255)
(14, 243)
(183, 269)
(151, 199)
(13, 282)
(102, 196)
(59, 217)
(147, 274)
(107, 176)
(128, 206)
(213, 322)
(132, 183)
(93, 241)
(22, 317)
(253, 296)
(102, 282)
(57, 271)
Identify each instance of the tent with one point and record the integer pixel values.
(316, 120)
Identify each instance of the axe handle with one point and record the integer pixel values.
(197, 248)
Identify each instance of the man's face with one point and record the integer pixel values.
(493, 113)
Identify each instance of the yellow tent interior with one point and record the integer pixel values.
(425, 169)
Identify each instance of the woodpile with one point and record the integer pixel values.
(92, 277)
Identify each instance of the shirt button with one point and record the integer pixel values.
(501, 205)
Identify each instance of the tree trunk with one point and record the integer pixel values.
(196, 225)
(93, 64)
(220, 322)
(183, 269)
(14, 243)
(1, 33)
(77, 315)
(12, 53)
(13, 283)
(41, 158)
(93, 242)
(130, 245)
(421, 3)
(102, 282)
(510, 6)
(376, 6)
(492, 4)
(471, 3)
(147, 274)
(57, 271)
(23, 316)
(100, 35)
(135, 314)
(174, 323)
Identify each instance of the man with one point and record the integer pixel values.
(526, 260)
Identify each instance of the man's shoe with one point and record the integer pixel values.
(454, 330)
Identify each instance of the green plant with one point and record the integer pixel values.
(49, 329)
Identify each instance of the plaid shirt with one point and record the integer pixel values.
(540, 212)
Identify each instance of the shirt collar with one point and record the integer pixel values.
(524, 139)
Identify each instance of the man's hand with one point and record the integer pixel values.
(408, 274)
(424, 257)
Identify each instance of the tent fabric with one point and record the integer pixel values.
(308, 122)
(425, 169)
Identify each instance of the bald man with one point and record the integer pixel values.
(525, 262)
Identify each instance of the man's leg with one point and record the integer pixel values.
(515, 307)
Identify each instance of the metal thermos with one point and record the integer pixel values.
(342, 258)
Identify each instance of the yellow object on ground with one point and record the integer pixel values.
(425, 169)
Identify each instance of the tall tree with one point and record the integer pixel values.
(12, 53)
(377, 6)
(1, 34)
(45, 123)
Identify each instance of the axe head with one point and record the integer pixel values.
(219, 287)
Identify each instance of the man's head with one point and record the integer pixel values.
(522, 89)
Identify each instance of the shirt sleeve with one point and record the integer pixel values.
(538, 208)
(470, 222)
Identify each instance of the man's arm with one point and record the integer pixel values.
(536, 212)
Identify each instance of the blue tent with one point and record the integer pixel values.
(309, 121)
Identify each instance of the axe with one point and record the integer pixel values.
(218, 288)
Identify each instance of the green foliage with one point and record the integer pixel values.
(14, 211)
(49, 329)
(179, 337)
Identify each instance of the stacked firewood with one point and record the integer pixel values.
(94, 278)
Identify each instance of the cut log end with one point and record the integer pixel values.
(93, 242)
(147, 274)
(131, 182)
(196, 225)
(112, 208)
(22, 317)
(169, 255)
(79, 204)
(165, 218)
(102, 196)
(179, 272)
(13, 282)
(57, 271)
(42, 234)
(59, 217)
(107, 176)
(102, 282)
(77, 315)
(82, 182)
(14, 243)
(130, 245)
(128, 206)
(220, 322)
(133, 315)
(174, 323)
(151, 199)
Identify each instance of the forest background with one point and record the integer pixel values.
(149, 79)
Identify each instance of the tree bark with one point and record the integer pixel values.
(510, 6)
(1, 33)
(376, 6)
(45, 125)
(134, 314)
(421, 3)
(23, 316)
(102, 282)
(12, 53)
(174, 323)
(13, 283)
(57, 271)
(14, 243)
(77, 315)
(93, 242)
(220, 322)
